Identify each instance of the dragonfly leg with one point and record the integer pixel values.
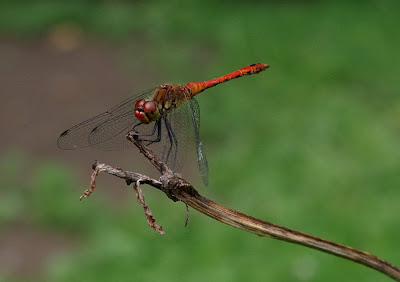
(157, 126)
(136, 125)
(172, 140)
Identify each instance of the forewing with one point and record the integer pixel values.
(111, 134)
(108, 126)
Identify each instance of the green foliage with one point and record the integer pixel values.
(11, 200)
(311, 144)
(54, 203)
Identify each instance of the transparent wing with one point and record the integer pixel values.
(202, 163)
(110, 135)
(182, 144)
(105, 131)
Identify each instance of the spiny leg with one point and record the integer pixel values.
(170, 141)
(173, 139)
(157, 126)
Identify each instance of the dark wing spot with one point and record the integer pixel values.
(94, 129)
(64, 133)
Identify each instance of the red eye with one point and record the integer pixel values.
(139, 104)
(140, 115)
(149, 107)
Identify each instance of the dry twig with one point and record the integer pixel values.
(147, 212)
(177, 189)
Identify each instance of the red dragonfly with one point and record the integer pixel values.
(172, 108)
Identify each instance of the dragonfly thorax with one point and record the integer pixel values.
(146, 111)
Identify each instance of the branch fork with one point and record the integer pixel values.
(177, 189)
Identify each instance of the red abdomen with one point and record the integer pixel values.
(197, 87)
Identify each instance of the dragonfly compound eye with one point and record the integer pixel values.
(141, 116)
(139, 104)
(151, 110)
(149, 107)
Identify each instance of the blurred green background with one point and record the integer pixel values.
(311, 144)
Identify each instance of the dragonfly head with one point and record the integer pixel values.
(146, 111)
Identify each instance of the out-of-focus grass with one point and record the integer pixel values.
(11, 201)
(312, 143)
(42, 194)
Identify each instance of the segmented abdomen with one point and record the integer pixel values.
(197, 87)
